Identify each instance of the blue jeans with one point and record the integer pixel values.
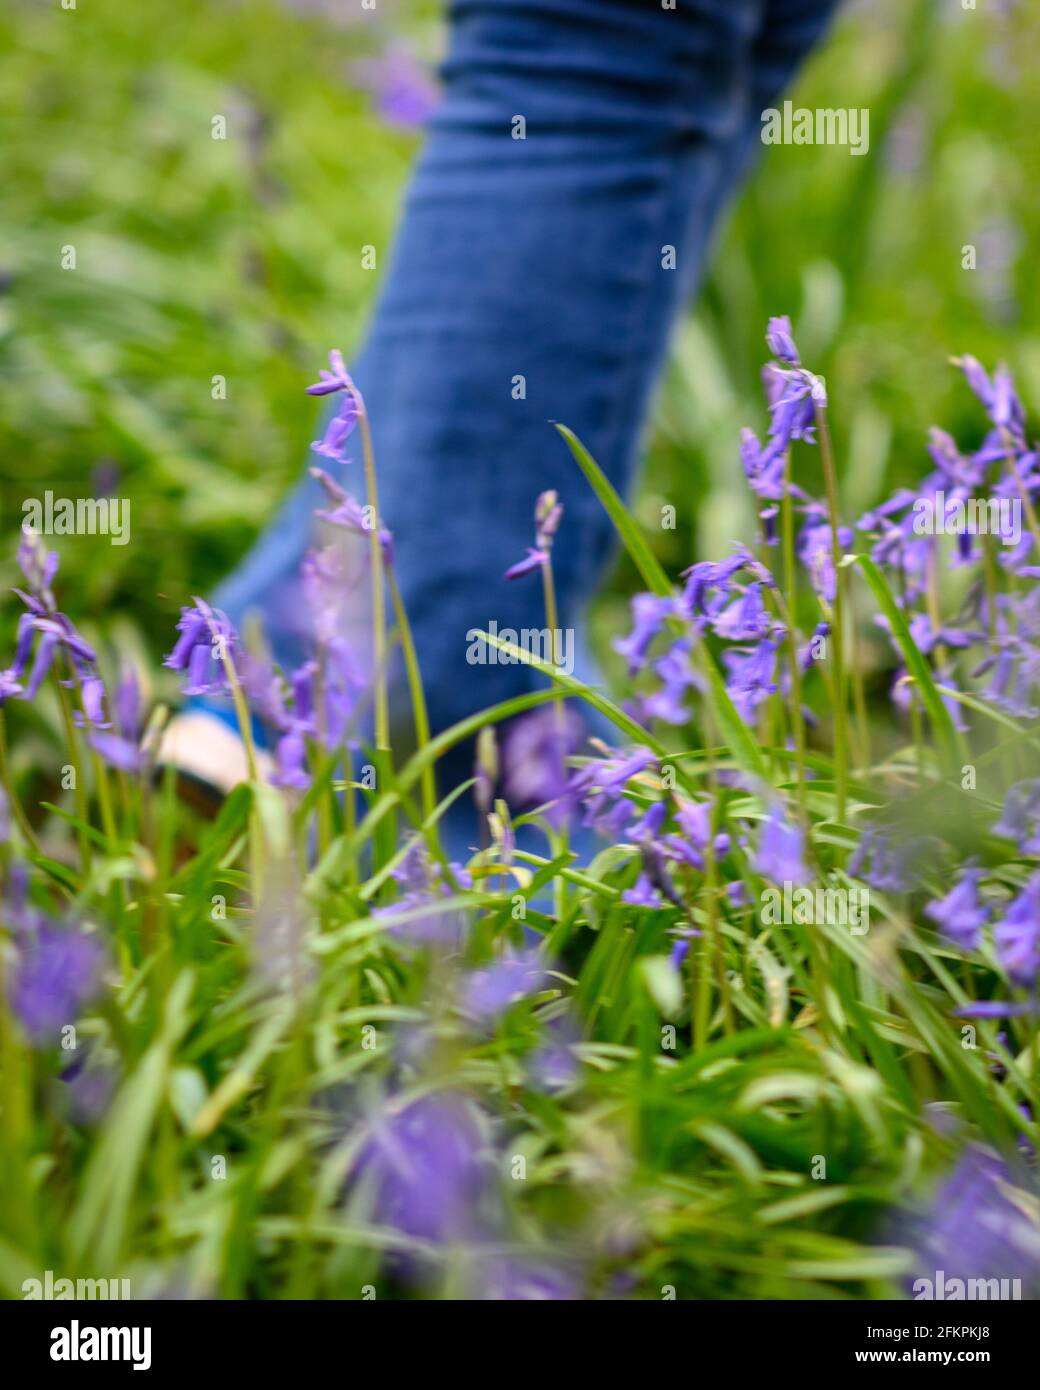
(541, 258)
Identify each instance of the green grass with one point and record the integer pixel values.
(257, 1013)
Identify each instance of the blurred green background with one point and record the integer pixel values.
(198, 257)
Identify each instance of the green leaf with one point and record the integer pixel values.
(635, 542)
(663, 983)
(728, 722)
(942, 725)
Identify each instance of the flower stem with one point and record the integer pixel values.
(415, 686)
(13, 800)
(379, 639)
(791, 600)
(245, 729)
(82, 807)
(553, 622)
(841, 736)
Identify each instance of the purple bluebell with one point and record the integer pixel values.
(979, 1227)
(650, 612)
(56, 634)
(737, 893)
(534, 560)
(548, 512)
(677, 675)
(422, 1169)
(793, 397)
(644, 893)
(127, 704)
(890, 861)
(994, 1008)
(337, 378)
(600, 784)
(961, 915)
(291, 756)
(406, 94)
(522, 1280)
(425, 884)
(650, 824)
(339, 429)
(1016, 935)
(780, 341)
(997, 394)
(59, 971)
(763, 466)
(745, 619)
(751, 676)
(1012, 658)
(814, 646)
(39, 565)
(694, 819)
(554, 1065)
(88, 1087)
(92, 695)
(347, 513)
(535, 751)
(816, 552)
(1020, 819)
(710, 583)
(10, 686)
(341, 426)
(680, 950)
(490, 990)
(206, 636)
(119, 742)
(780, 856)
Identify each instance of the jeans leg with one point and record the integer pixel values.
(532, 282)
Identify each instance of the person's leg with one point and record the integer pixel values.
(577, 142)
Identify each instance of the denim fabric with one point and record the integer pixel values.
(538, 257)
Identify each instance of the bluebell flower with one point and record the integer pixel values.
(206, 636)
(780, 341)
(763, 466)
(535, 752)
(980, 1226)
(347, 513)
(745, 619)
(58, 972)
(337, 378)
(650, 612)
(332, 444)
(751, 676)
(961, 915)
(423, 1168)
(889, 861)
(490, 990)
(548, 511)
(780, 856)
(1016, 935)
(405, 92)
(1020, 819)
(644, 893)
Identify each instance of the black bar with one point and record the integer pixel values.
(770, 1338)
